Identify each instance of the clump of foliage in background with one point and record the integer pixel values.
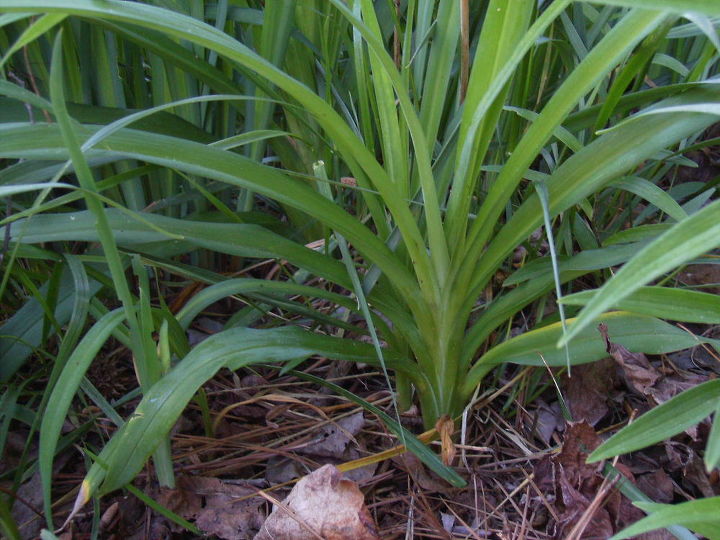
(422, 143)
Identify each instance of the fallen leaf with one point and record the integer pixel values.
(335, 436)
(424, 478)
(589, 388)
(637, 371)
(549, 420)
(448, 521)
(672, 386)
(662, 534)
(218, 507)
(697, 476)
(572, 485)
(580, 441)
(657, 485)
(23, 511)
(322, 504)
(575, 503)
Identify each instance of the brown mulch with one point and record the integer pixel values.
(524, 464)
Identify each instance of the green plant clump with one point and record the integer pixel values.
(462, 163)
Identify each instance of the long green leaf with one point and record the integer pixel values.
(701, 515)
(709, 7)
(687, 239)
(124, 456)
(664, 302)
(587, 171)
(197, 32)
(230, 168)
(668, 419)
(65, 390)
(637, 333)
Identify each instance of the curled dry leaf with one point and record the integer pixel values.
(445, 428)
(321, 505)
(637, 371)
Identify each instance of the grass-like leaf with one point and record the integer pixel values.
(700, 515)
(672, 417)
(684, 241)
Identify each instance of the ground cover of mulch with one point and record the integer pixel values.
(523, 462)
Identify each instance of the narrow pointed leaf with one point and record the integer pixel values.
(672, 417)
(689, 238)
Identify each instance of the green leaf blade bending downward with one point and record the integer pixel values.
(125, 455)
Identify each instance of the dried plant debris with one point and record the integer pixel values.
(589, 388)
(227, 509)
(646, 380)
(637, 371)
(335, 436)
(333, 443)
(322, 505)
(548, 420)
(586, 504)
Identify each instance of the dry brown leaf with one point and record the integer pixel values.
(589, 389)
(697, 476)
(335, 436)
(218, 507)
(672, 386)
(549, 419)
(657, 485)
(638, 373)
(574, 485)
(445, 428)
(580, 441)
(600, 526)
(325, 504)
(702, 274)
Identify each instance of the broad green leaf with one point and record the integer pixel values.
(591, 259)
(357, 155)
(7, 191)
(32, 32)
(602, 58)
(587, 171)
(14, 91)
(22, 332)
(701, 514)
(687, 239)
(641, 233)
(662, 422)
(231, 287)
(664, 302)
(703, 108)
(232, 169)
